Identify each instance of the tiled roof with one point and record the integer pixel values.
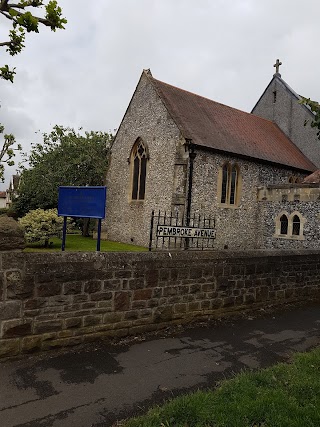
(314, 178)
(219, 127)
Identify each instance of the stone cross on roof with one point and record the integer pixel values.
(277, 66)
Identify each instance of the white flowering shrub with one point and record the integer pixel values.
(39, 225)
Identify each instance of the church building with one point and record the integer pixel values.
(179, 152)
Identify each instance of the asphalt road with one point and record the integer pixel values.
(99, 383)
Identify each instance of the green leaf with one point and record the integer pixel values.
(23, 20)
(6, 73)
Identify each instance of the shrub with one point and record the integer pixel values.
(39, 225)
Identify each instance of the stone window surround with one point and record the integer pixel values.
(289, 235)
(238, 187)
(294, 179)
(131, 165)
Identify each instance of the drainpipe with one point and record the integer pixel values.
(192, 156)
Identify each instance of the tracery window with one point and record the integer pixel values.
(229, 184)
(139, 159)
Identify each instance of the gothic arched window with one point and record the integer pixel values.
(283, 224)
(296, 226)
(225, 182)
(229, 184)
(290, 226)
(139, 170)
(233, 185)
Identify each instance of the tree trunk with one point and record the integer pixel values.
(85, 228)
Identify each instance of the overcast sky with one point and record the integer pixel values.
(85, 75)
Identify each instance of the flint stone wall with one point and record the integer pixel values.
(311, 230)
(289, 198)
(61, 299)
(146, 118)
(238, 227)
(290, 116)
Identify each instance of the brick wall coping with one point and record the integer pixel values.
(128, 257)
(289, 185)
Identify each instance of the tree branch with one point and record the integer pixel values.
(4, 5)
(16, 6)
(31, 3)
(7, 15)
(41, 20)
(23, 21)
(5, 43)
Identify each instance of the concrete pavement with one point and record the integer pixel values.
(99, 383)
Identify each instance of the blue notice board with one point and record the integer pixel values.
(82, 202)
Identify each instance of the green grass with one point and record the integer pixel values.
(286, 395)
(86, 244)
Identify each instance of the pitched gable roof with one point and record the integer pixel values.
(314, 178)
(288, 89)
(216, 126)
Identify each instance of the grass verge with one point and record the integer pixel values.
(285, 395)
(76, 243)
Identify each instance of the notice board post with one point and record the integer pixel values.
(64, 233)
(82, 202)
